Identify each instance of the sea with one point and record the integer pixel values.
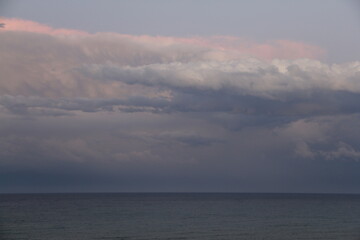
(83, 216)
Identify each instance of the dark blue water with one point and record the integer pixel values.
(179, 216)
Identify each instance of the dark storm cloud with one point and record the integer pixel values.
(315, 104)
(138, 113)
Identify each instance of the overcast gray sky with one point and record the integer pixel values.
(245, 96)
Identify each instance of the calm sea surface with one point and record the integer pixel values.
(179, 216)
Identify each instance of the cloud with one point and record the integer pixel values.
(325, 137)
(216, 47)
(140, 78)
(57, 75)
(135, 108)
(54, 61)
(343, 151)
(14, 24)
(168, 74)
(245, 77)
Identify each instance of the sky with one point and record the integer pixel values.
(180, 96)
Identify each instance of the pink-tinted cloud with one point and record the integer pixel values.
(14, 24)
(284, 49)
(224, 46)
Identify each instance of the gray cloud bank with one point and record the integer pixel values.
(123, 113)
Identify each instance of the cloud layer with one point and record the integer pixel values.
(122, 106)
